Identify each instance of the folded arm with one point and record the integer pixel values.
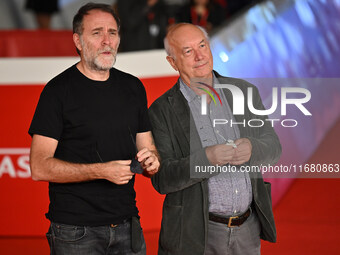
(174, 173)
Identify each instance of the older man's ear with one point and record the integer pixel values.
(172, 62)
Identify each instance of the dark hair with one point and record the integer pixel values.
(85, 9)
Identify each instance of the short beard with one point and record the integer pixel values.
(96, 65)
(93, 61)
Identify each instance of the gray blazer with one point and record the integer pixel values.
(185, 208)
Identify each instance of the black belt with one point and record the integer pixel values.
(231, 221)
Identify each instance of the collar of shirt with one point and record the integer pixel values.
(188, 93)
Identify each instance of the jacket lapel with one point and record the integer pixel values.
(181, 110)
(184, 118)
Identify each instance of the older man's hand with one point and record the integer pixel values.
(220, 154)
(242, 151)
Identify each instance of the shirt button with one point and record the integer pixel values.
(235, 211)
(236, 191)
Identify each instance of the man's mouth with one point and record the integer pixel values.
(200, 65)
(107, 51)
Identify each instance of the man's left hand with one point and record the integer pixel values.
(149, 161)
(242, 152)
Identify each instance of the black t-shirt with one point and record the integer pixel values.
(91, 121)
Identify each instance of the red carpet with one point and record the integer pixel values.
(307, 218)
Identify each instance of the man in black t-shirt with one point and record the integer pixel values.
(91, 134)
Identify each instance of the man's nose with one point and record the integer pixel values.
(198, 55)
(106, 39)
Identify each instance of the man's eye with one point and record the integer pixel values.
(202, 45)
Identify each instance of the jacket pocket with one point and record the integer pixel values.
(268, 187)
(170, 236)
(265, 214)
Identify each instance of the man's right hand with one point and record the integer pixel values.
(118, 171)
(220, 154)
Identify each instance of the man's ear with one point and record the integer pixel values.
(76, 40)
(172, 62)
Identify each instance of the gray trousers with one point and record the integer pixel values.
(242, 240)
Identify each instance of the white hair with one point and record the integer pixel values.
(168, 47)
